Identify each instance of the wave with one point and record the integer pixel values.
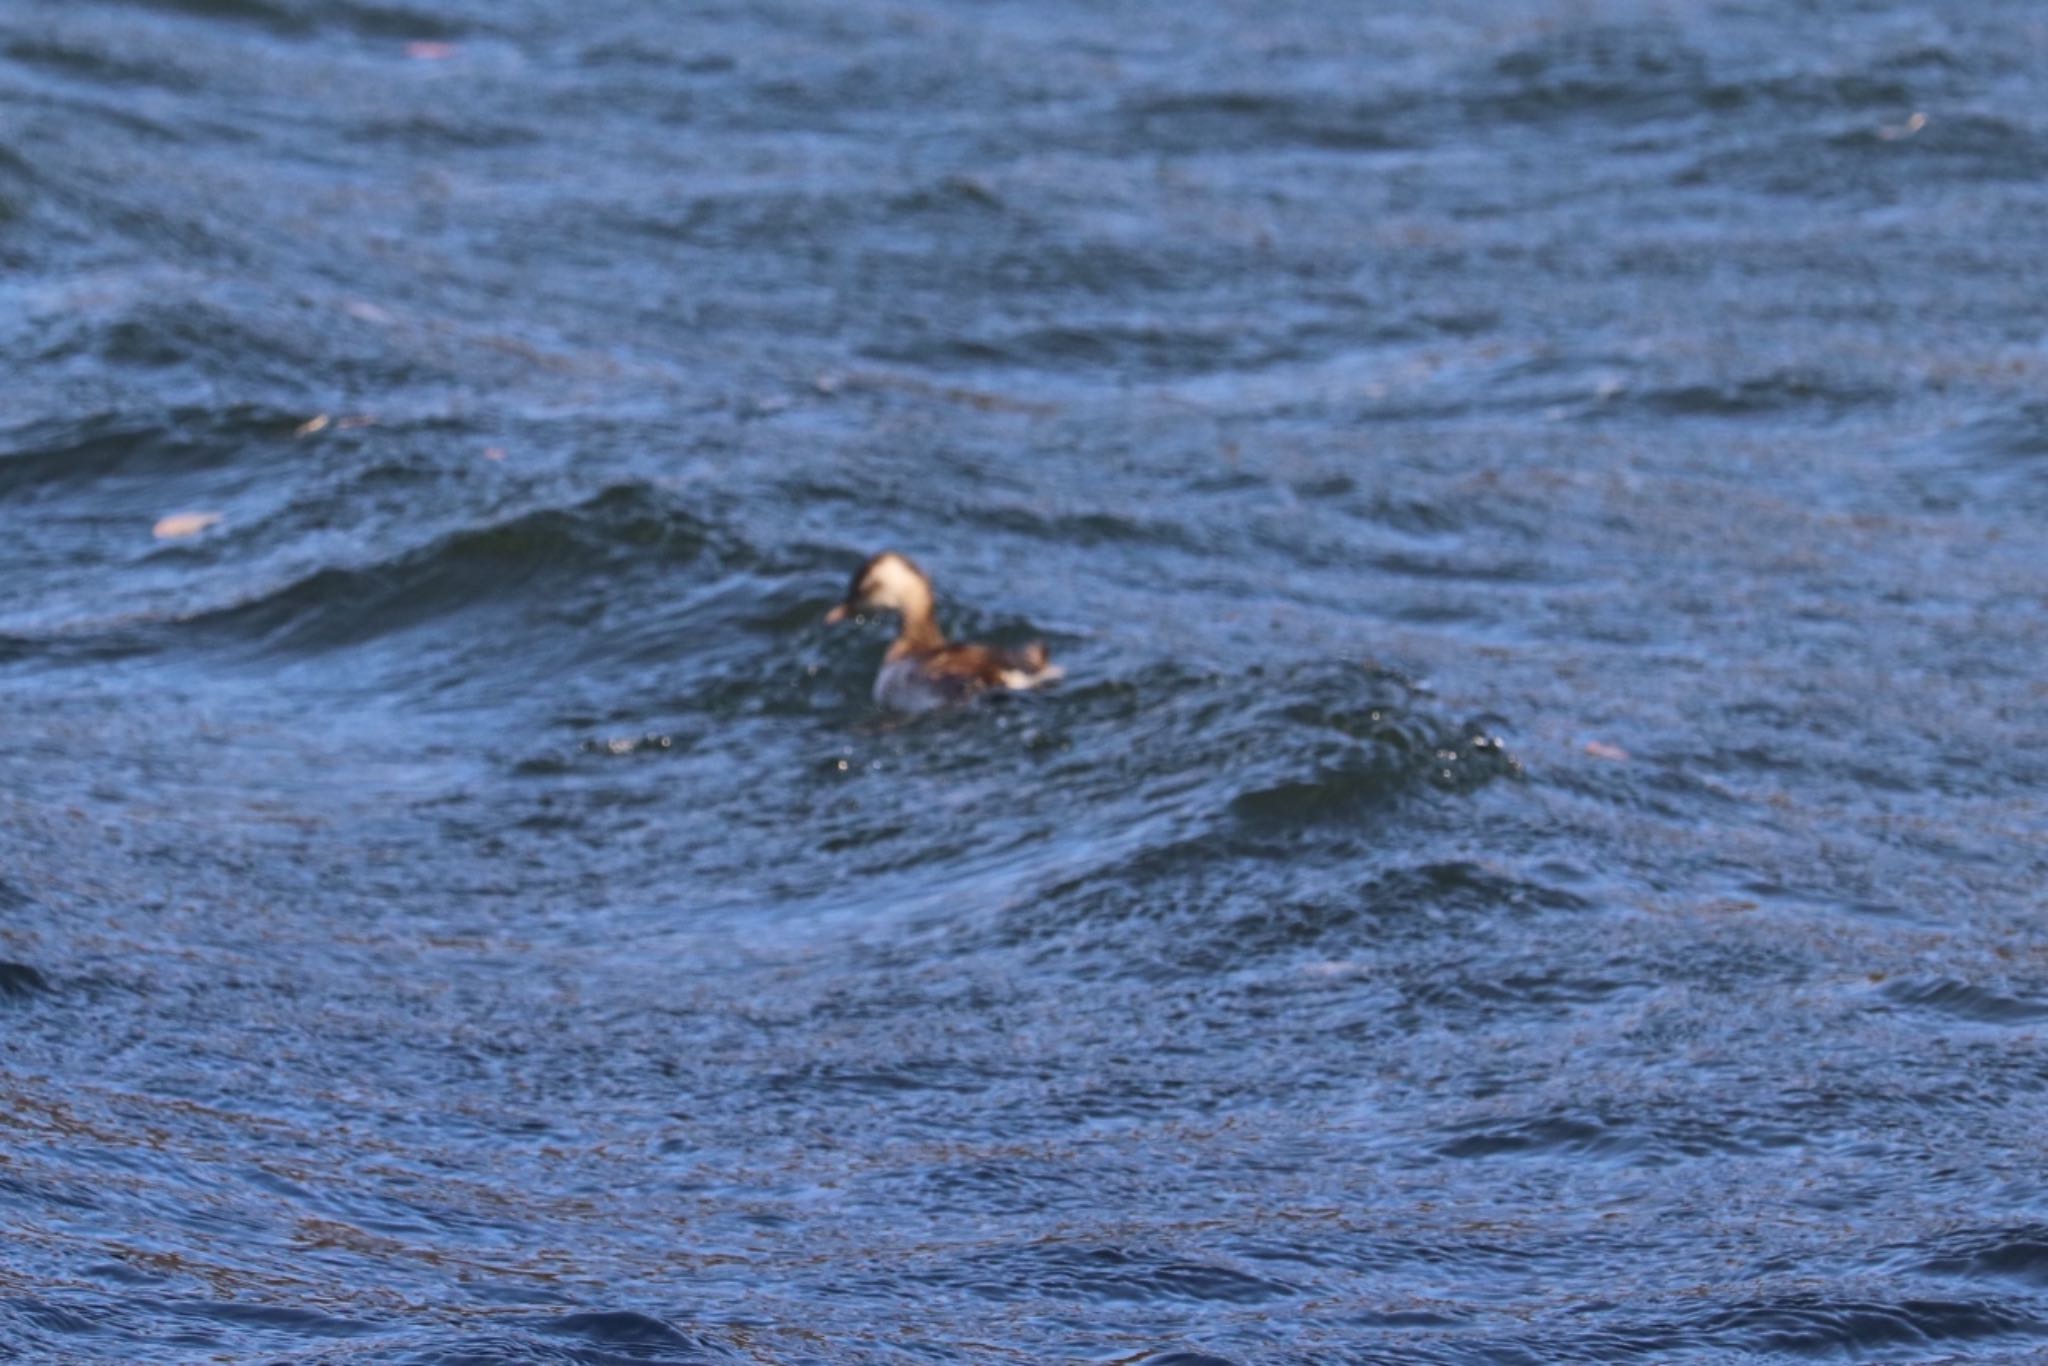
(1618, 71)
(1208, 122)
(1246, 809)
(178, 440)
(1781, 391)
(1999, 459)
(2014, 1253)
(1152, 348)
(1967, 1001)
(1794, 1325)
(1879, 161)
(1811, 1324)
(509, 560)
(295, 18)
(18, 980)
(1117, 1274)
(249, 340)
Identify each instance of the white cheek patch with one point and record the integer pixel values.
(893, 584)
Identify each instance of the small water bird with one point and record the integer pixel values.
(922, 671)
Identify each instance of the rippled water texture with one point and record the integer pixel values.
(1539, 855)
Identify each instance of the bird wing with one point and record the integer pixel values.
(971, 668)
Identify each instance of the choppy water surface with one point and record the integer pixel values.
(1540, 854)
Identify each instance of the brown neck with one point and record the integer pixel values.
(920, 634)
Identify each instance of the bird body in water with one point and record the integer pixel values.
(922, 671)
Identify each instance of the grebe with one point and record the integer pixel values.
(922, 671)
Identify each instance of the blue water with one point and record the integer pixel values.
(1539, 853)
